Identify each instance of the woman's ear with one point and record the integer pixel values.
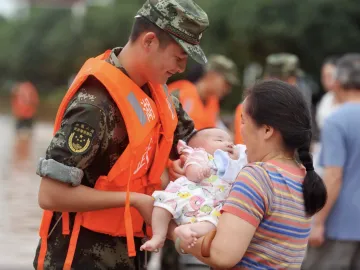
(268, 131)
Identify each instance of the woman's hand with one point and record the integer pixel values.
(217, 247)
(317, 235)
(144, 204)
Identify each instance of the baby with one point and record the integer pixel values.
(194, 201)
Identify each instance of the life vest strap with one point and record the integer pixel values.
(43, 232)
(65, 223)
(73, 242)
(128, 219)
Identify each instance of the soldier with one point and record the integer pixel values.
(201, 98)
(25, 101)
(285, 67)
(113, 134)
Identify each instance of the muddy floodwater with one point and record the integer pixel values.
(19, 212)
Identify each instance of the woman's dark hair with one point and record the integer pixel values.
(282, 106)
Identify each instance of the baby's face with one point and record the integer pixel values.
(213, 139)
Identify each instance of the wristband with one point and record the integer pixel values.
(177, 246)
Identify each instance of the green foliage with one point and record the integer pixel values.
(50, 45)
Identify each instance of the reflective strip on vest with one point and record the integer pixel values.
(137, 108)
(169, 100)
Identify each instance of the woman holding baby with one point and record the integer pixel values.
(265, 220)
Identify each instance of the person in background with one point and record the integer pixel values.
(25, 101)
(252, 73)
(286, 67)
(200, 99)
(335, 235)
(330, 100)
(328, 103)
(282, 66)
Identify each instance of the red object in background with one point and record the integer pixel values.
(25, 100)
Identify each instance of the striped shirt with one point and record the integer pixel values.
(269, 196)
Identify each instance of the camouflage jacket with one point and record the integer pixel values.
(94, 114)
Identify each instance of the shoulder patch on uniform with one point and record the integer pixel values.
(81, 135)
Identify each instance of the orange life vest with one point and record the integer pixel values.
(237, 124)
(150, 125)
(25, 100)
(203, 115)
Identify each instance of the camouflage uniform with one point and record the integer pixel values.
(93, 111)
(184, 20)
(222, 65)
(284, 66)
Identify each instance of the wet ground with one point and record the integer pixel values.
(19, 212)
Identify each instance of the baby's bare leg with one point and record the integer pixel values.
(159, 223)
(190, 232)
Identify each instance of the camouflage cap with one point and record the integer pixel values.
(225, 67)
(184, 20)
(282, 65)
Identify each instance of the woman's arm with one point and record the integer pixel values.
(243, 211)
(222, 253)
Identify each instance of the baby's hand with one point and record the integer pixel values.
(204, 173)
(235, 153)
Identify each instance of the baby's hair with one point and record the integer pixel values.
(195, 132)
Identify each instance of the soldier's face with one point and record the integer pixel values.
(163, 62)
(220, 87)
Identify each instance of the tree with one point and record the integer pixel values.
(44, 48)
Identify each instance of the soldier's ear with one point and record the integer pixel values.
(150, 41)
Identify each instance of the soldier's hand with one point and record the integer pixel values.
(144, 204)
(176, 168)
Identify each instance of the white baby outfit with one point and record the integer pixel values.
(191, 202)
